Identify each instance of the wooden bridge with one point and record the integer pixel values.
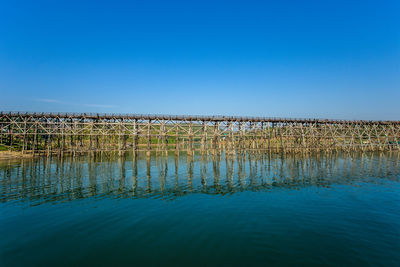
(65, 132)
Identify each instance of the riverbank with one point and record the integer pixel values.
(6, 155)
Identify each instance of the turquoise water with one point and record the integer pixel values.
(199, 210)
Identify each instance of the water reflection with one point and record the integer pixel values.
(170, 176)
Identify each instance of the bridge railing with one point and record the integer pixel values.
(215, 118)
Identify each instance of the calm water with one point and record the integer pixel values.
(206, 211)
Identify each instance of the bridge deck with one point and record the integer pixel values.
(97, 116)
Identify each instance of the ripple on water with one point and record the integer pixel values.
(333, 209)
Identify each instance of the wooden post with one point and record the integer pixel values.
(10, 142)
(204, 136)
(164, 137)
(34, 138)
(190, 145)
(269, 136)
(176, 137)
(24, 140)
(148, 138)
(135, 137)
(281, 137)
(232, 139)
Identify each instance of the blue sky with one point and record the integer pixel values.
(325, 59)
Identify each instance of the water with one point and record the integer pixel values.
(216, 211)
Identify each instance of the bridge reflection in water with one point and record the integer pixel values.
(109, 175)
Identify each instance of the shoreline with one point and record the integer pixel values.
(7, 155)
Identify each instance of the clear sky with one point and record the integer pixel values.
(325, 59)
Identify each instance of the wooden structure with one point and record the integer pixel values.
(74, 133)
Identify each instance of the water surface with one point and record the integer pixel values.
(254, 209)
